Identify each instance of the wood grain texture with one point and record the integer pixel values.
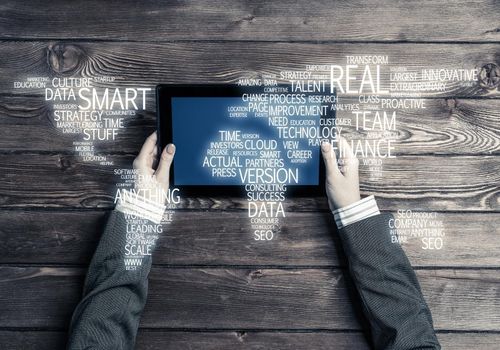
(247, 298)
(240, 340)
(437, 183)
(214, 287)
(147, 64)
(293, 341)
(30, 118)
(32, 340)
(223, 238)
(446, 126)
(356, 20)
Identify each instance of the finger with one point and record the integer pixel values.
(153, 160)
(349, 161)
(345, 148)
(149, 146)
(330, 159)
(163, 171)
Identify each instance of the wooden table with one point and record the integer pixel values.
(212, 286)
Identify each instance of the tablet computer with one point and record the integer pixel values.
(232, 138)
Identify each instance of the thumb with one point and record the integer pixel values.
(163, 171)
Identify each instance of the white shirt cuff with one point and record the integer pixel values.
(362, 209)
(133, 204)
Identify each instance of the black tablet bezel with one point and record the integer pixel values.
(164, 93)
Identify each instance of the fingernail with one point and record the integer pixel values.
(170, 148)
(324, 146)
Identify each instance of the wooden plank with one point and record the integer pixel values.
(258, 20)
(292, 341)
(30, 119)
(445, 126)
(298, 299)
(147, 64)
(32, 340)
(48, 237)
(225, 238)
(424, 183)
(465, 126)
(244, 340)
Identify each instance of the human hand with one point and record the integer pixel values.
(342, 178)
(150, 183)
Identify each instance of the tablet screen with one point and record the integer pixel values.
(223, 141)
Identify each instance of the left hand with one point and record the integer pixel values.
(151, 182)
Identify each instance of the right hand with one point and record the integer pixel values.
(342, 182)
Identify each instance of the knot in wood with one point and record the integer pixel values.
(489, 76)
(64, 58)
(64, 163)
(255, 274)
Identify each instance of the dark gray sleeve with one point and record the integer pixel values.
(113, 298)
(390, 293)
